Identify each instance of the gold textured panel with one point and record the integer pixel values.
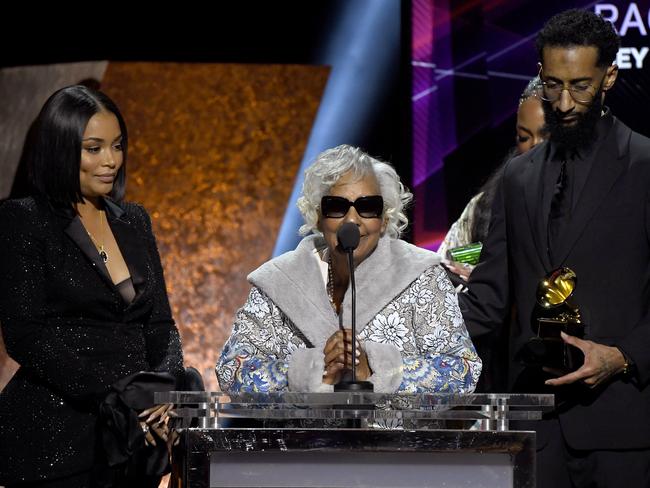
(213, 153)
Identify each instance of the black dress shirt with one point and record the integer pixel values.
(578, 167)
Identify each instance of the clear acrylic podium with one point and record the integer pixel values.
(335, 440)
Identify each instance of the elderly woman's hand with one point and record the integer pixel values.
(461, 269)
(338, 357)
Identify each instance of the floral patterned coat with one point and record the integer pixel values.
(408, 322)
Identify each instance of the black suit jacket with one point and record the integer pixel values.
(66, 324)
(607, 244)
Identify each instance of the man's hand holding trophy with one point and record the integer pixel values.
(559, 346)
(556, 314)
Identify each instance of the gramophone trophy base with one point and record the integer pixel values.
(556, 313)
(548, 349)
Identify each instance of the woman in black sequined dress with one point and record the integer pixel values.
(84, 311)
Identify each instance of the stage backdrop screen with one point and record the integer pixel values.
(470, 61)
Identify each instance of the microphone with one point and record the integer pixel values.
(348, 237)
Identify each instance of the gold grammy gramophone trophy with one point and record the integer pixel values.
(555, 313)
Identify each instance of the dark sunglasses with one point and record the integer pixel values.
(371, 207)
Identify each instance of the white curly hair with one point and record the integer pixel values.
(330, 165)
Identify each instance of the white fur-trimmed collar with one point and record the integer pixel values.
(293, 281)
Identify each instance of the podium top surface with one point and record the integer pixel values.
(386, 400)
(212, 408)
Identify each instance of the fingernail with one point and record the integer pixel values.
(357, 352)
(325, 373)
(356, 362)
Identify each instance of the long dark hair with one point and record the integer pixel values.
(53, 153)
(483, 208)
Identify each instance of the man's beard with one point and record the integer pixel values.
(579, 135)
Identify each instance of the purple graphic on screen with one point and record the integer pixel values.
(470, 62)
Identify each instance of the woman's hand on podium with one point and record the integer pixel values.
(338, 357)
(155, 419)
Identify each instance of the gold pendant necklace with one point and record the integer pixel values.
(100, 247)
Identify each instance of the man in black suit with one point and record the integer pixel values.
(582, 201)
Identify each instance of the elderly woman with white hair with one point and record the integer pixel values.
(292, 333)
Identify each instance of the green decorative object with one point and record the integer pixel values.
(469, 254)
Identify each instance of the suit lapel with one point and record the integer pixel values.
(532, 187)
(127, 236)
(608, 165)
(77, 232)
(132, 246)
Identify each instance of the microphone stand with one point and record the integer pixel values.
(348, 237)
(353, 385)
